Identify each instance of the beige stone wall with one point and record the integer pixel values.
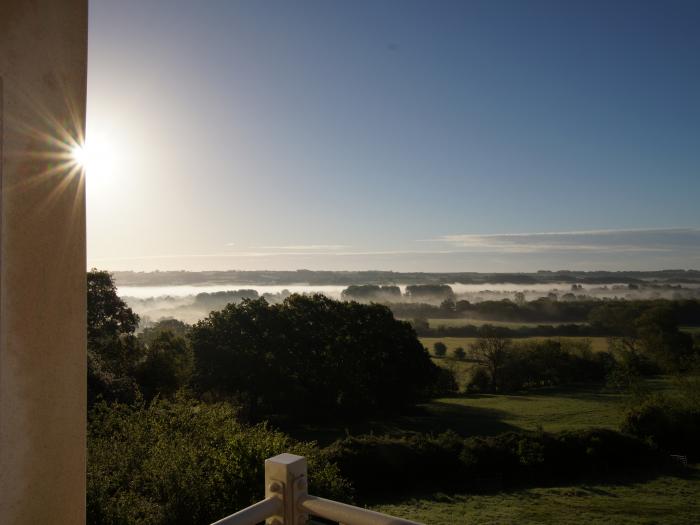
(43, 61)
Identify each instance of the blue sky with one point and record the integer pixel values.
(404, 135)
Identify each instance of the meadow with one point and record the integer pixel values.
(629, 498)
(666, 500)
(550, 409)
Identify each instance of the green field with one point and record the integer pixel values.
(552, 409)
(598, 344)
(662, 501)
(691, 329)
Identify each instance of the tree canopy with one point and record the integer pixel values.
(311, 356)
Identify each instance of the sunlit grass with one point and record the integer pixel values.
(662, 501)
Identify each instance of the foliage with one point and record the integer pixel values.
(647, 336)
(671, 422)
(459, 353)
(377, 464)
(492, 353)
(371, 292)
(108, 316)
(311, 357)
(505, 367)
(167, 367)
(604, 317)
(430, 292)
(174, 326)
(113, 350)
(182, 463)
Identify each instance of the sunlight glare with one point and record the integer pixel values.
(96, 156)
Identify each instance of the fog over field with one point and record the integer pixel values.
(191, 302)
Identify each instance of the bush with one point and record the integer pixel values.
(379, 465)
(671, 425)
(480, 381)
(382, 465)
(445, 384)
(184, 463)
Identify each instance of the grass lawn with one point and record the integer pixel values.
(665, 500)
(691, 329)
(552, 409)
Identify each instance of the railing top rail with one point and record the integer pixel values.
(340, 512)
(254, 514)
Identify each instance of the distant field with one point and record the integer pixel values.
(598, 344)
(691, 329)
(463, 321)
(665, 500)
(552, 409)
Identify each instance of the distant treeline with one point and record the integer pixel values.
(543, 310)
(310, 277)
(562, 330)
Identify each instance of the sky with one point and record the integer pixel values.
(394, 135)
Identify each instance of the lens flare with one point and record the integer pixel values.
(96, 156)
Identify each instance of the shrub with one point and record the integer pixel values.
(480, 381)
(669, 424)
(377, 464)
(184, 463)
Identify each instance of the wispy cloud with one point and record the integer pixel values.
(649, 240)
(648, 248)
(305, 247)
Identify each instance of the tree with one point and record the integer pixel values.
(439, 349)
(108, 316)
(167, 367)
(432, 293)
(459, 353)
(645, 333)
(659, 338)
(113, 350)
(174, 326)
(311, 356)
(492, 352)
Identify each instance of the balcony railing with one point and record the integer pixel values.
(287, 501)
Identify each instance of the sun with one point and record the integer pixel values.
(79, 154)
(97, 156)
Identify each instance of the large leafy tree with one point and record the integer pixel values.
(113, 350)
(107, 314)
(167, 366)
(311, 356)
